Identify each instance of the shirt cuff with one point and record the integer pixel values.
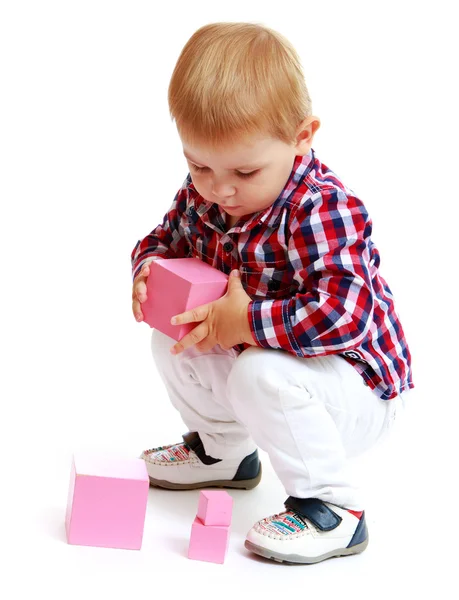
(270, 323)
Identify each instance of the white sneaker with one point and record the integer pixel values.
(186, 466)
(309, 531)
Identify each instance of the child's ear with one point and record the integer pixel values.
(305, 135)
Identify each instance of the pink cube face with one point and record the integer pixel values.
(105, 510)
(167, 295)
(208, 543)
(215, 507)
(176, 285)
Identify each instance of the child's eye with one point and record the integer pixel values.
(198, 169)
(251, 174)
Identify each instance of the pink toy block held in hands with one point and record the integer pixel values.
(208, 542)
(215, 507)
(107, 502)
(176, 285)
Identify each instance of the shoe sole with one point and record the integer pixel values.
(295, 559)
(243, 484)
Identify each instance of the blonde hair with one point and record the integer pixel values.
(237, 79)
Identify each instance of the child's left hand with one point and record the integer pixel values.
(224, 322)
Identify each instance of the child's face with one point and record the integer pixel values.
(243, 178)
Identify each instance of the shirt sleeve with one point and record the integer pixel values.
(166, 240)
(329, 249)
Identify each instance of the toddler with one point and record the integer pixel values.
(304, 356)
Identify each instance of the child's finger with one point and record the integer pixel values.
(137, 310)
(140, 291)
(198, 334)
(145, 270)
(196, 315)
(143, 273)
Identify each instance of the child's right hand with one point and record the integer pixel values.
(139, 292)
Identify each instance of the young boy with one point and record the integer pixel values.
(304, 356)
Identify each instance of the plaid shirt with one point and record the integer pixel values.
(310, 267)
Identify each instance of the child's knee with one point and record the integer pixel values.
(254, 374)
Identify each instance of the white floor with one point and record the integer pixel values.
(409, 524)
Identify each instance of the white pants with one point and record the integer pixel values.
(309, 415)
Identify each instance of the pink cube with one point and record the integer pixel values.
(107, 502)
(208, 542)
(215, 507)
(176, 285)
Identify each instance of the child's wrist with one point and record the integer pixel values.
(248, 335)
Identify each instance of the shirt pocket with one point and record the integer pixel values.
(268, 281)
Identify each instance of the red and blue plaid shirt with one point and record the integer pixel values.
(310, 266)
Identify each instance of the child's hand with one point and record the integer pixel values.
(139, 291)
(224, 322)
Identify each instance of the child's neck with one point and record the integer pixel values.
(231, 221)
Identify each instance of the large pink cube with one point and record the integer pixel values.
(208, 542)
(176, 285)
(215, 507)
(107, 502)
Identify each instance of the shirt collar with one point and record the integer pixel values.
(270, 216)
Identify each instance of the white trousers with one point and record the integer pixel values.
(310, 415)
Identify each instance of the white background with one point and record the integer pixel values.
(89, 163)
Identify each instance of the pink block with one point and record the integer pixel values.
(208, 542)
(107, 502)
(215, 507)
(176, 285)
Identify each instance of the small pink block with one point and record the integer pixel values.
(107, 502)
(176, 285)
(208, 542)
(215, 507)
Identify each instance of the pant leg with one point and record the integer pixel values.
(196, 384)
(310, 416)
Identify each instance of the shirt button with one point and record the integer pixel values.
(228, 246)
(273, 285)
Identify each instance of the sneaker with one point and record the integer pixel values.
(186, 466)
(309, 531)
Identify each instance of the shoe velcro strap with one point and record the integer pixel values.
(193, 440)
(315, 511)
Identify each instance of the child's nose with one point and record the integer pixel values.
(223, 190)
